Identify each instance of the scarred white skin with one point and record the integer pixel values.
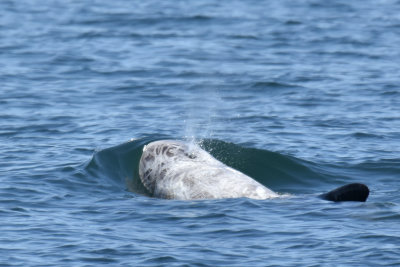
(177, 170)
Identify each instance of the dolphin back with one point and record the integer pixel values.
(177, 170)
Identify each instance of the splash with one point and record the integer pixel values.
(201, 111)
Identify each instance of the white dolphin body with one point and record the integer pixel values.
(178, 170)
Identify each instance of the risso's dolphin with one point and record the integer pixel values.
(177, 170)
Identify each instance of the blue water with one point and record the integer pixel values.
(303, 96)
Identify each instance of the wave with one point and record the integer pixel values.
(281, 173)
(120, 164)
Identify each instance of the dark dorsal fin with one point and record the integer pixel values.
(349, 192)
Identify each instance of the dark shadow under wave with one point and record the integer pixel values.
(281, 173)
(274, 170)
(120, 164)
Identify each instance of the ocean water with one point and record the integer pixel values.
(303, 96)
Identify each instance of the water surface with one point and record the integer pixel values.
(302, 96)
